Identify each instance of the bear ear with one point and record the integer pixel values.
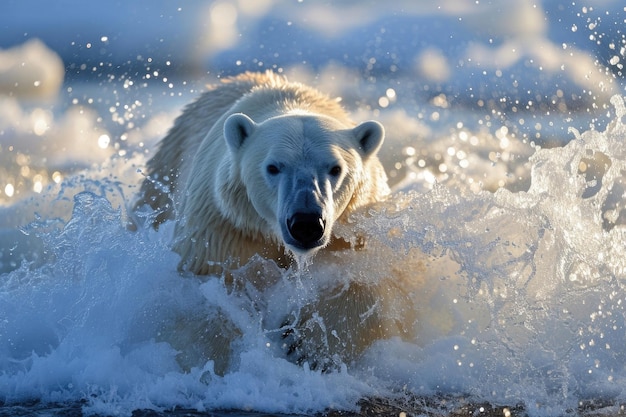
(237, 128)
(370, 136)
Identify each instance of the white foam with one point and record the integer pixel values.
(520, 302)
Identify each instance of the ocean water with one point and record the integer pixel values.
(501, 249)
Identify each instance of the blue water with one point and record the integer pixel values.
(507, 221)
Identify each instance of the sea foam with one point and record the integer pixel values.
(518, 298)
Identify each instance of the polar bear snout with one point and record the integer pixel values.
(307, 230)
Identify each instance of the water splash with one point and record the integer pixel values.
(510, 298)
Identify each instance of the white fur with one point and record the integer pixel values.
(226, 205)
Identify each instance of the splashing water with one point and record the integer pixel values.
(510, 298)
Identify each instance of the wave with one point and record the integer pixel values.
(509, 298)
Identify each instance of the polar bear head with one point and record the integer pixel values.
(300, 173)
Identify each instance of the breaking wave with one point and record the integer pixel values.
(517, 299)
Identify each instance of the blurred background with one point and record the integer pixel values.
(466, 89)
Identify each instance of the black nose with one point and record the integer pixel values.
(306, 228)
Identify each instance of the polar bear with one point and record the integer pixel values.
(256, 166)
(259, 165)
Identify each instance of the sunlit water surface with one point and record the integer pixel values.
(502, 244)
(518, 295)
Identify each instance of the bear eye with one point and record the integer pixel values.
(272, 169)
(335, 171)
